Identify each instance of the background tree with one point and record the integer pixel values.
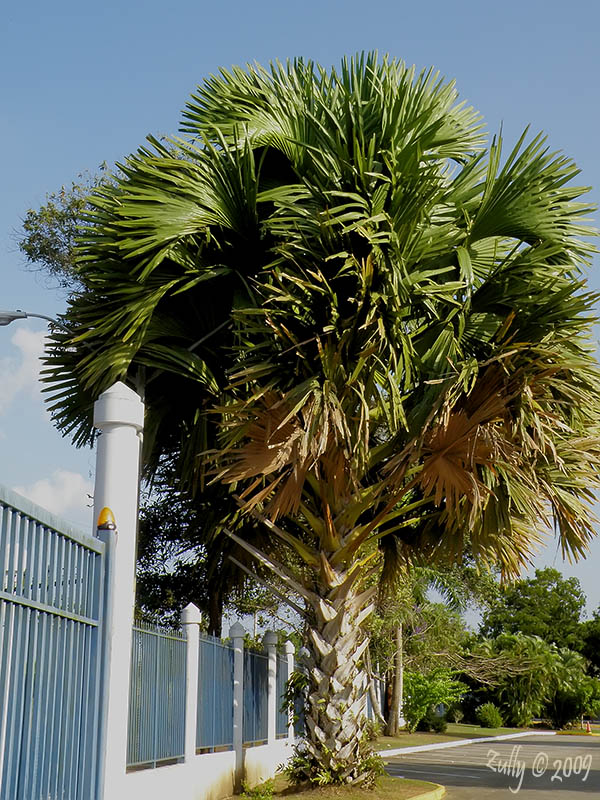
(425, 692)
(547, 605)
(377, 328)
(49, 233)
(571, 693)
(549, 682)
(409, 630)
(182, 558)
(589, 645)
(521, 690)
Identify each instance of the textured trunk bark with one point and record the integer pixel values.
(215, 613)
(393, 725)
(372, 692)
(335, 749)
(387, 700)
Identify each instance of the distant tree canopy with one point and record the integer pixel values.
(182, 558)
(547, 605)
(49, 235)
(545, 681)
(590, 643)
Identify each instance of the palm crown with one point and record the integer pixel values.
(390, 295)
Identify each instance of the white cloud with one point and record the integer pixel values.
(64, 493)
(20, 374)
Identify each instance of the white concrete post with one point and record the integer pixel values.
(191, 619)
(289, 651)
(236, 634)
(270, 645)
(119, 414)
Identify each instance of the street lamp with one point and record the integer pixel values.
(6, 317)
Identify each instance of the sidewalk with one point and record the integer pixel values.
(420, 748)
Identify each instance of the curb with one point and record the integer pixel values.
(460, 743)
(433, 794)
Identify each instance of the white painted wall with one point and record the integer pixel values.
(209, 776)
(261, 763)
(205, 777)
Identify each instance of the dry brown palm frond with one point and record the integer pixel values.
(466, 437)
(277, 445)
(338, 477)
(270, 440)
(450, 455)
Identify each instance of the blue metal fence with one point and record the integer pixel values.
(256, 684)
(214, 726)
(51, 598)
(281, 728)
(51, 585)
(156, 732)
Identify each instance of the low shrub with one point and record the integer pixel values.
(489, 716)
(264, 791)
(439, 724)
(456, 714)
(433, 722)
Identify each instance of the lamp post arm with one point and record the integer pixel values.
(6, 317)
(51, 320)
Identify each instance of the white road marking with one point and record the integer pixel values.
(434, 774)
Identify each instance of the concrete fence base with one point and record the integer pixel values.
(209, 776)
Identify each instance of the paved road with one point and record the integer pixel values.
(531, 768)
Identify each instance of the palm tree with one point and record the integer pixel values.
(372, 327)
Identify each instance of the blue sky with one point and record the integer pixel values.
(83, 83)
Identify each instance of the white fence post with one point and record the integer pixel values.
(191, 618)
(119, 414)
(236, 634)
(270, 643)
(289, 651)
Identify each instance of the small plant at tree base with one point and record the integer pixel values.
(372, 730)
(264, 791)
(303, 768)
(489, 716)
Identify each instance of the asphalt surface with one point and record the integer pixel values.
(531, 768)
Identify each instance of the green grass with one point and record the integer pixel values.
(454, 732)
(386, 788)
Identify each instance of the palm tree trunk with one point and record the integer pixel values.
(375, 702)
(335, 749)
(395, 711)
